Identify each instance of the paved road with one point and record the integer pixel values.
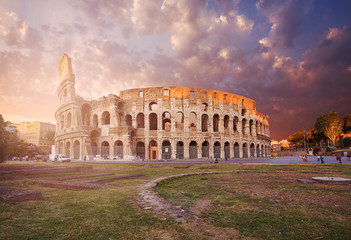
(310, 160)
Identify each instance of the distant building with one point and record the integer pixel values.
(37, 133)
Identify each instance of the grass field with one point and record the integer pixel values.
(243, 201)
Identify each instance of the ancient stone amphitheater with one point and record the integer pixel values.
(158, 123)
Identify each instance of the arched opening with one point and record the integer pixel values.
(236, 150)
(153, 121)
(265, 151)
(179, 124)
(205, 149)
(217, 150)
(69, 120)
(193, 149)
(257, 150)
(243, 112)
(262, 150)
(62, 122)
(153, 150)
(128, 119)
(153, 106)
(166, 121)
(76, 149)
(166, 150)
(257, 129)
(105, 149)
(226, 150)
(204, 107)
(95, 121)
(192, 121)
(118, 149)
(235, 123)
(68, 149)
(204, 123)
(180, 150)
(140, 150)
(245, 153)
(86, 109)
(226, 122)
(244, 126)
(261, 129)
(251, 126)
(105, 118)
(140, 120)
(252, 150)
(94, 148)
(215, 123)
(61, 148)
(120, 106)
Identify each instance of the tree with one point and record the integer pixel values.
(332, 129)
(4, 141)
(328, 125)
(296, 138)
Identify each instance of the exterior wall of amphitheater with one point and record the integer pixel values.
(158, 123)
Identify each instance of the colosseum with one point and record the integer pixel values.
(158, 123)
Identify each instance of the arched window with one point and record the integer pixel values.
(192, 120)
(153, 106)
(128, 119)
(95, 121)
(140, 120)
(118, 149)
(153, 121)
(105, 119)
(204, 107)
(166, 121)
(179, 120)
(62, 122)
(245, 149)
(217, 150)
(226, 122)
(215, 122)
(86, 109)
(235, 123)
(251, 126)
(192, 149)
(204, 123)
(140, 150)
(236, 150)
(166, 150)
(205, 149)
(244, 122)
(105, 149)
(69, 120)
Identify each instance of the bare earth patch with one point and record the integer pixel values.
(18, 195)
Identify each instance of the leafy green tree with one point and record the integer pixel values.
(4, 140)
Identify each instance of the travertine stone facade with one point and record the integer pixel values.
(158, 123)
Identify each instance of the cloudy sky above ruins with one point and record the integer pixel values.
(293, 57)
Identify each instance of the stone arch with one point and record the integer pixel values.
(61, 148)
(153, 149)
(153, 121)
(217, 150)
(226, 122)
(226, 150)
(245, 150)
(153, 106)
(140, 150)
(204, 122)
(86, 111)
(262, 150)
(204, 107)
(68, 120)
(68, 149)
(76, 149)
(140, 120)
(166, 150)
(180, 150)
(215, 123)
(62, 121)
(192, 120)
(95, 121)
(105, 118)
(179, 120)
(236, 150)
(105, 149)
(244, 122)
(243, 112)
(251, 126)
(235, 123)
(258, 150)
(94, 147)
(193, 149)
(118, 149)
(205, 149)
(252, 150)
(128, 119)
(120, 106)
(166, 121)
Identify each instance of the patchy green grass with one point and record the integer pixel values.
(259, 200)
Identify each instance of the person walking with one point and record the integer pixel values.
(322, 159)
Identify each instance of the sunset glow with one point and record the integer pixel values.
(292, 57)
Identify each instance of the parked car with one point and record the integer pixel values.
(61, 158)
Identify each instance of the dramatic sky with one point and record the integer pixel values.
(293, 56)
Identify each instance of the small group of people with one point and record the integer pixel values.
(303, 158)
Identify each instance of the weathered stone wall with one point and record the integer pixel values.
(160, 123)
